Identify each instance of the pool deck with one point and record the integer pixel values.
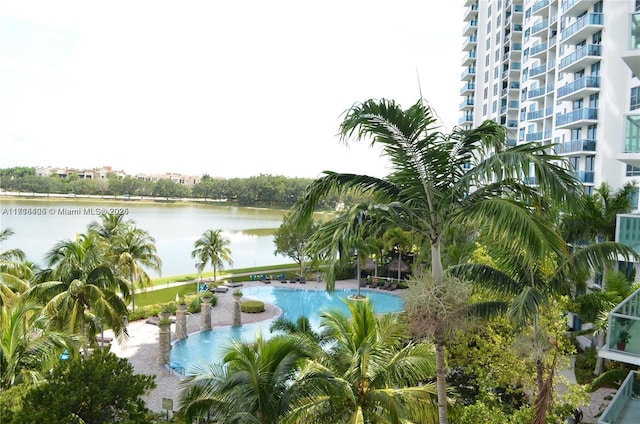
(142, 347)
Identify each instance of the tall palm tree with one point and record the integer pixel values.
(81, 291)
(212, 248)
(370, 372)
(440, 180)
(14, 270)
(133, 251)
(253, 385)
(28, 346)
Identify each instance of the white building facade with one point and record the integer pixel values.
(559, 72)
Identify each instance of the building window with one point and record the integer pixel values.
(486, 93)
(494, 106)
(487, 59)
(495, 89)
(635, 98)
(488, 43)
(632, 171)
(592, 132)
(497, 55)
(484, 109)
(486, 76)
(632, 135)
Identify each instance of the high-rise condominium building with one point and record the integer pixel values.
(561, 72)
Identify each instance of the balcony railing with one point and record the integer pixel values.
(539, 5)
(575, 146)
(585, 176)
(577, 115)
(624, 407)
(590, 19)
(537, 114)
(623, 335)
(465, 119)
(539, 27)
(579, 84)
(538, 48)
(468, 87)
(536, 136)
(537, 92)
(470, 71)
(588, 50)
(537, 70)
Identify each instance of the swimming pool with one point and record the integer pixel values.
(207, 346)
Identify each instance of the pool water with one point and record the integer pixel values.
(207, 346)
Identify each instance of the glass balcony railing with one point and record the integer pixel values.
(470, 71)
(539, 27)
(577, 115)
(576, 146)
(465, 103)
(539, 5)
(468, 87)
(465, 119)
(623, 334)
(538, 48)
(537, 70)
(590, 19)
(536, 92)
(587, 50)
(624, 407)
(579, 84)
(536, 136)
(585, 176)
(537, 114)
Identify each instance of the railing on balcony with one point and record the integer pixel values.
(471, 70)
(537, 114)
(585, 176)
(567, 4)
(470, 86)
(624, 326)
(536, 92)
(590, 19)
(539, 27)
(579, 84)
(467, 102)
(577, 115)
(536, 136)
(467, 118)
(539, 5)
(538, 48)
(537, 70)
(625, 405)
(584, 145)
(587, 50)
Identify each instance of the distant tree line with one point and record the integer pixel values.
(261, 190)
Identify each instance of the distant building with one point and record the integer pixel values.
(105, 171)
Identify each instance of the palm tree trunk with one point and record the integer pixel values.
(437, 271)
(441, 381)
(602, 334)
(399, 263)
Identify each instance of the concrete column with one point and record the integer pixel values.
(237, 312)
(181, 322)
(164, 343)
(205, 314)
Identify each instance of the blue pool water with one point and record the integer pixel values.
(207, 346)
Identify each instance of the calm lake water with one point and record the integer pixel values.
(39, 224)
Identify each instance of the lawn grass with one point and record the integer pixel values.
(222, 274)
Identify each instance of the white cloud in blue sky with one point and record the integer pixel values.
(226, 88)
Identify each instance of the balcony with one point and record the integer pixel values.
(467, 104)
(632, 55)
(579, 88)
(576, 146)
(469, 59)
(582, 28)
(468, 74)
(585, 176)
(470, 43)
(471, 28)
(625, 318)
(540, 8)
(471, 13)
(539, 27)
(536, 93)
(467, 118)
(538, 71)
(468, 89)
(537, 114)
(630, 148)
(536, 136)
(576, 7)
(625, 406)
(581, 58)
(577, 118)
(538, 49)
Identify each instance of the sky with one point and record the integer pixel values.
(225, 88)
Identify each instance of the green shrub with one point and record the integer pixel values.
(612, 378)
(252, 306)
(585, 364)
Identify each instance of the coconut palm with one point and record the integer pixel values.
(28, 347)
(81, 291)
(438, 181)
(133, 251)
(369, 373)
(212, 248)
(14, 270)
(397, 239)
(253, 385)
(109, 225)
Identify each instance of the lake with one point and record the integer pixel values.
(39, 223)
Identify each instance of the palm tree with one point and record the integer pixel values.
(438, 181)
(81, 290)
(370, 372)
(594, 221)
(212, 248)
(14, 271)
(397, 239)
(133, 250)
(28, 347)
(253, 385)
(521, 290)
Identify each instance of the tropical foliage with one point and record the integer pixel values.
(212, 248)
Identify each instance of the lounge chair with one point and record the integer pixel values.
(303, 280)
(219, 289)
(393, 286)
(363, 282)
(374, 284)
(385, 286)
